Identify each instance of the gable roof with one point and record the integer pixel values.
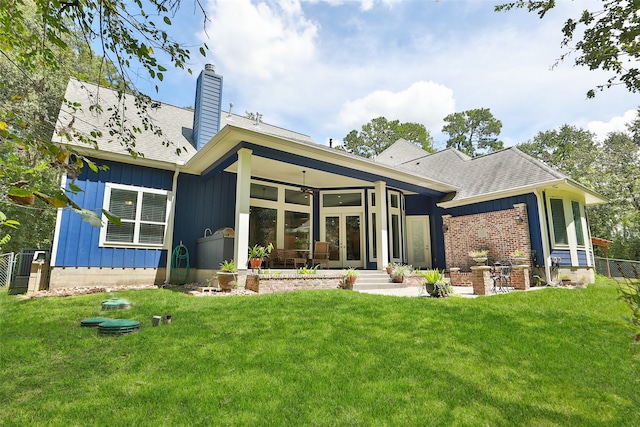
(505, 172)
(175, 123)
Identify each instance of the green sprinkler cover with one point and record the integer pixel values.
(118, 326)
(115, 304)
(93, 322)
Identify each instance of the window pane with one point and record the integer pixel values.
(374, 235)
(122, 233)
(577, 220)
(264, 192)
(263, 223)
(296, 230)
(154, 207)
(559, 223)
(394, 201)
(343, 199)
(373, 199)
(123, 203)
(297, 197)
(151, 233)
(395, 230)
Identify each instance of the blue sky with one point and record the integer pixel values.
(325, 67)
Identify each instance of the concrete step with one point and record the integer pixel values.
(374, 279)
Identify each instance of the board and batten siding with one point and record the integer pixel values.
(78, 243)
(203, 203)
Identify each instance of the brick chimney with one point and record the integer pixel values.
(206, 116)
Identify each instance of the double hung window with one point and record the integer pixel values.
(143, 213)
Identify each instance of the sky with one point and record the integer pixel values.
(326, 67)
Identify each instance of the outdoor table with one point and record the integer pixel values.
(501, 276)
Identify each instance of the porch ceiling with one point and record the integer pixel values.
(287, 173)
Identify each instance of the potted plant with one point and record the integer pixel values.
(227, 275)
(257, 253)
(350, 276)
(399, 272)
(389, 267)
(519, 256)
(565, 279)
(435, 283)
(480, 256)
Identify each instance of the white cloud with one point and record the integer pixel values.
(264, 40)
(423, 102)
(616, 124)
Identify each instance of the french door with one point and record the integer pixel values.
(343, 231)
(419, 241)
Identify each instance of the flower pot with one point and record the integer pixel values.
(480, 260)
(226, 280)
(397, 279)
(348, 283)
(255, 263)
(389, 268)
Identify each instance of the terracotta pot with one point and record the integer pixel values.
(389, 268)
(348, 283)
(255, 263)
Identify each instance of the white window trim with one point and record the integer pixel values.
(281, 206)
(136, 234)
(550, 220)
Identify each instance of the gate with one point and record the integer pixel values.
(7, 261)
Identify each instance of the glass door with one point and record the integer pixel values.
(343, 231)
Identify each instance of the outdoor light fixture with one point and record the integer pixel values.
(519, 219)
(445, 228)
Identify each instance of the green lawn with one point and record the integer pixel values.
(554, 357)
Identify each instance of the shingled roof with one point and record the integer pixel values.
(175, 122)
(489, 175)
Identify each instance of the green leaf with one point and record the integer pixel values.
(202, 52)
(74, 188)
(167, 20)
(90, 216)
(112, 218)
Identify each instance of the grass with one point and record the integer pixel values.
(555, 357)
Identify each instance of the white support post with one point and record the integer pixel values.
(243, 194)
(382, 231)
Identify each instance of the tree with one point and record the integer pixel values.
(569, 149)
(377, 135)
(609, 39)
(472, 131)
(35, 39)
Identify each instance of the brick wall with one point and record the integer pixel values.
(502, 232)
(269, 283)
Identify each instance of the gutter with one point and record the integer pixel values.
(170, 225)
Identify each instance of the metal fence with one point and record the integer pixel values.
(618, 267)
(7, 262)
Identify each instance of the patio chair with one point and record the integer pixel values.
(292, 256)
(320, 254)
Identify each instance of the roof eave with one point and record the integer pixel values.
(230, 136)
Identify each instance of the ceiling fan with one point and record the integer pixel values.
(304, 188)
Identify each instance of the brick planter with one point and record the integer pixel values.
(520, 277)
(481, 279)
(270, 283)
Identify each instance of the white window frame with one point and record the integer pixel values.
(281, 206)
(137, 221)
(567, 215)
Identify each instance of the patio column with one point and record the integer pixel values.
(381, 230)
(243, 194)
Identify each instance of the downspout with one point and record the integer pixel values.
(170, 227)
(545, 236)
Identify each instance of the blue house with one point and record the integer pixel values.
(214, 183)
